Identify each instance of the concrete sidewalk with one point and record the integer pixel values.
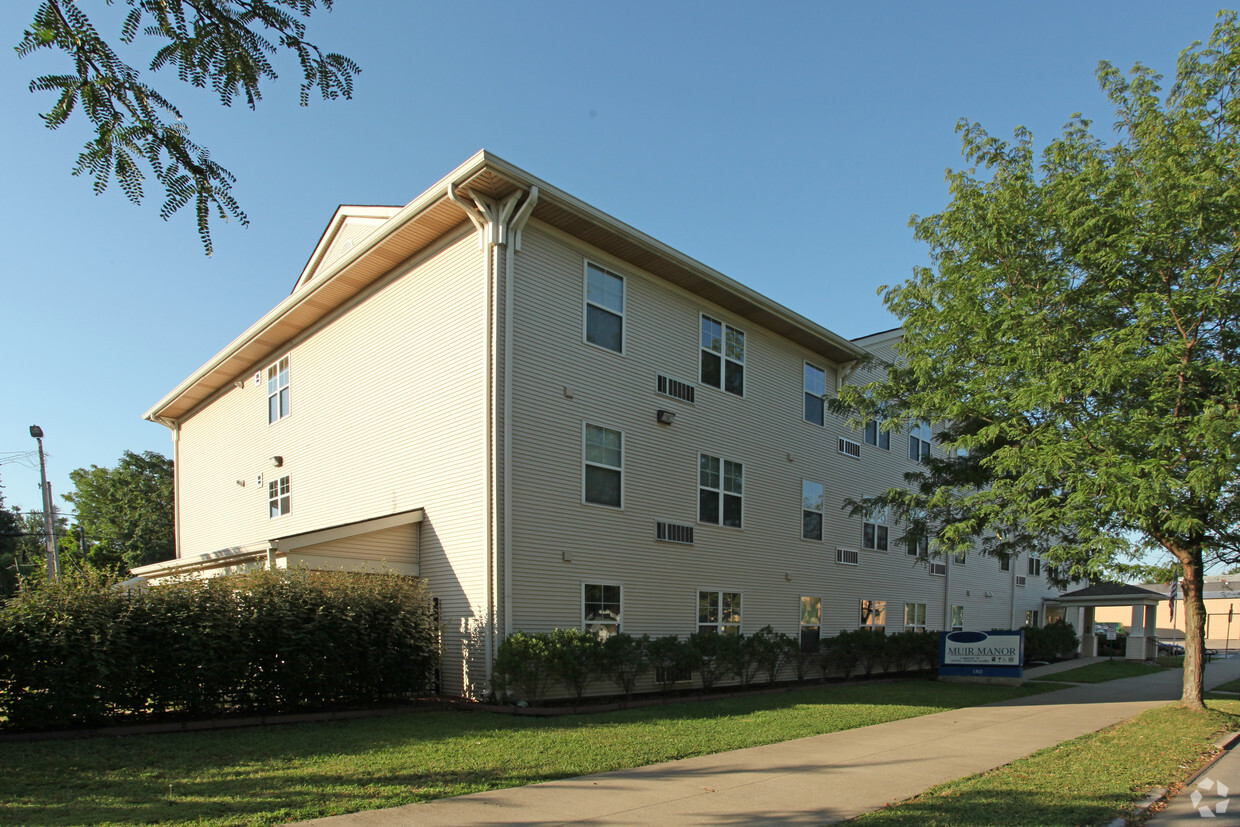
(813, 780)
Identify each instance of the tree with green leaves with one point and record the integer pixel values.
(227, 45)
(125, 513)
(10, 534)
(1084, 310)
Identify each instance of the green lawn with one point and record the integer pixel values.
(1090, 780)
(1103, 671)
(298, 771)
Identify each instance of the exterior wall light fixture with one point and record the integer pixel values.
(665, 417)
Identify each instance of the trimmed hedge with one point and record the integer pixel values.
(83, 653)
(529, 664)
(1050, 642)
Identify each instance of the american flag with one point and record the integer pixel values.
(1175, 588)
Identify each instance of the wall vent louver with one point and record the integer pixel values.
(673, 532)
(850, 448)
(1020, 579)
(848, 557)
(938, 569)
(674, 388)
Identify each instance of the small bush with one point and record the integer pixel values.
(671, 658)
(1049, 642)
(576, 659)
(523, 665)
(714, 656)
(625, 660)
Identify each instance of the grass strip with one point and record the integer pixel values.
(1102, 672)
(301, 771)
(1089, 780)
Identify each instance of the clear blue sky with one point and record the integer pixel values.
(785, 144)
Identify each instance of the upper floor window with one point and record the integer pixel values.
(957, 618)
(919, 547)
(278, 390)
(719, 612)
(876, 436)
(811, 510)
(601, 610)
(723, 356)
(815, 393)
(1005, 563)
(1035, 565)
(604, 465)
(604, 308)
(278, 497)
(720, 491)
(874, 531)
(919, 442)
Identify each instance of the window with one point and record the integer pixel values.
(723, 356)
(874, 532)
(873, 614)
(919, 442)
(1031, 618)
(811, 623)
(958, 558)
(1035, 565)
(601, 610)
(719, 612)
(720, 489)
(876, 437)
(914, 617)
(1005, 563)
(919, 547)
(604, 308)
(811, 510)
(278, 391)
(815, 393)
(603, 465)
(957, 618)
(277, 497)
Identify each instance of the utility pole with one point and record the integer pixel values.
(49, 515)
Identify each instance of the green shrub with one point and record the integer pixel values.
(799, 657)
(81, 652)
(1049, 642)
(714, 656)
(523, 665)
(625, 660)
(576, 659)
(671, 657)
(766, 650)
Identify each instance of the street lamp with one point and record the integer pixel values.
(53, 557)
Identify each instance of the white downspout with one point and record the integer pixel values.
(515, 227)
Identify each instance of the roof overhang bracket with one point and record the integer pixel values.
(844, 373)
(490, 217)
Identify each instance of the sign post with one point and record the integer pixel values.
(982, 657)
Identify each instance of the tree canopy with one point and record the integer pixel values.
(1082, 312)
(227, 45)
(126, 512)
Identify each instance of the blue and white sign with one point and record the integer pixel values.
(982, 654)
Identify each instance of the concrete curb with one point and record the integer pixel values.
(1160, 795)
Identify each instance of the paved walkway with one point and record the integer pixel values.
(814, 780)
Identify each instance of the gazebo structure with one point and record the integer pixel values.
(1078, 608)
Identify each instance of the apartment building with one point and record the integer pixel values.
(557, 421)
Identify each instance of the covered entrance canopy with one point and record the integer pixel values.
(1079, 608)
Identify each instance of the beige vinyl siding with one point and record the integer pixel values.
(561, 383)
(388, 413)
(395, 545)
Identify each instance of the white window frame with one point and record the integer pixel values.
(599, 625)
(882, 533)
(1035, 565)
(876, 436)
(279, 497)
(811, 618)
(1005, 563)
(721, 489)
(1031, 618)
(873, 614)
(957, 618)
(587, 463)
(720, 625)
(806, 508)
(283, 392)
(914, 617)
(722, 353)
(587, 304)
(919, 548)
(820, 400)
(919, 434)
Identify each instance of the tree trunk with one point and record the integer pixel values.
(1195, 629)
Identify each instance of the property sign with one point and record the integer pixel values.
(982, 654)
